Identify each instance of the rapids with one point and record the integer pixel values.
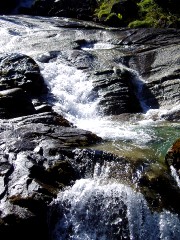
(95, 208)
(99, 209)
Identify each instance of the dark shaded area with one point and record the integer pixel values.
(7, 6)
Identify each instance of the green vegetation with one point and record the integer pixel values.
(139, 13)
(104, 11)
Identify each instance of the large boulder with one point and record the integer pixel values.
(116, 91)
(20, 71)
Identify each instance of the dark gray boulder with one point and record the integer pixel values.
(116, 91)
(15, 102)
(20, 71)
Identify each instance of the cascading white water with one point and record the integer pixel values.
(72, 91)
(70, 87)
(101, 209)
(97, 208)
(73, 96)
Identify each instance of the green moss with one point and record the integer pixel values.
(104, 9)
(139, 23)
(150, 14)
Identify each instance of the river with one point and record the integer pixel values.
(100, 207)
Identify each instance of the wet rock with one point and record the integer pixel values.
(172, 114)
(160, 189)
(156, 58)
(35, 164)
(20, 71)
(172, 157)
(158, 184)
(14, 103)
(15, 221)
(43, 108)
(116, 91)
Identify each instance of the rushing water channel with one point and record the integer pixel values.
(97, 208)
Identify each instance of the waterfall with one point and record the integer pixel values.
(102, 209)
(71, 90)
(73, 96)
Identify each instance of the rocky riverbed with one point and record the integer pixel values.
(41, 151)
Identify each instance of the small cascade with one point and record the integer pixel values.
(105, 206)
(72, 92)
(101, 209)
(139, 84)
(175, 175)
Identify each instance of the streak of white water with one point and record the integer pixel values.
(175, 175)
(100, 45)
(95, 209)
(72, 91)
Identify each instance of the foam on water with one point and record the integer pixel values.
(73, 97)
(71, 91)
(99, 45)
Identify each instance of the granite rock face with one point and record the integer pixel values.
(157, 60)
